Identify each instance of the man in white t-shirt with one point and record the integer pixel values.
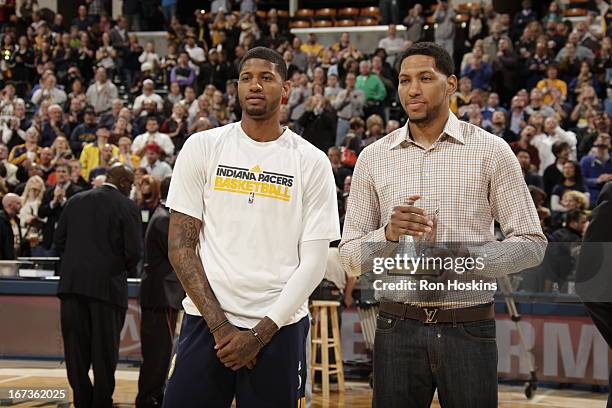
(148, 93)
(253, 211)
(152, 136)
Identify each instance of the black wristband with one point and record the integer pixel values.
(259, 339)
(218, 326)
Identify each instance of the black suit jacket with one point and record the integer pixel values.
(160, 287)
(98, 239)
(53, 214)
(7, 239)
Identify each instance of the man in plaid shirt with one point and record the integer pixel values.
(468, 178)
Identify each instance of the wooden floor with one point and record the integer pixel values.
(357, 395)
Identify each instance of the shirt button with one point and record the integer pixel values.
(439, 335)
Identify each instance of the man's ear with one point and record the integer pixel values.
(286, 88)
(451, 85)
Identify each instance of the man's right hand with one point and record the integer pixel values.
(407, 219)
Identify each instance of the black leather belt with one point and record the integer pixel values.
(432, 315)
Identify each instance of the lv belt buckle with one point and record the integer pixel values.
(431, 316)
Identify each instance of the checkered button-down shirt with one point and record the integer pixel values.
(472, 177)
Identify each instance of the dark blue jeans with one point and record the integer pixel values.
(412, 360)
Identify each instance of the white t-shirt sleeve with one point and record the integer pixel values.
(320, 208)
(186, 194)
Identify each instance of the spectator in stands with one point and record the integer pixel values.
(85, 132)
(53, 202)
(311, 47)
(176, 125)
(392, 44)
(559, 259)
(155, 167)
(498, 127)
(553, 133)
(50, 91)
(599, 123)
(10, 233)
(82, 21)
(148, 199)
(27, 152)
(463, 95)
(505, 69)
(106, 55)
(75, 174)
(152, 135)
(414, 22)
(491, 42)
(491, 106)
(348, 104)
(537, 104)
(30, 224)
(182, 73)
(92, 152)
(61, 149)
(45, 162)
(54, 127)
(479, 71)
(522, 18)
(597, 166)
(375, 127)
(107, 158)
(587, 105)
(372, 87)
(551, 82)
(10, 178)
(150, 56)
(319, 123)
(101, 93)
(110, 118)
(574, 49)
(125, 156)
(444, 17)
(571, 180)
(332, 88)
(197, 55)
(531, 178)
(148, 92)
(553, 174)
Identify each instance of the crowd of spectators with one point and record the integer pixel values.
(77, 97)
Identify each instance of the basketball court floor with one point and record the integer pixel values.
(28, 374)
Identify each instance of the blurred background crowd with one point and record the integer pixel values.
(78, 96)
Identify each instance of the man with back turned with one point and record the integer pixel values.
(98, 239)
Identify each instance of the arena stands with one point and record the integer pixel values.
(540, 79)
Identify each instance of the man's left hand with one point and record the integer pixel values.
(238, 350)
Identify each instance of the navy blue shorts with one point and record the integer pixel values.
(198, 379)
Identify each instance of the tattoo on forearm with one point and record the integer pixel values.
(183, 239)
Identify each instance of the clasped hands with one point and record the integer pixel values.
(238, 348)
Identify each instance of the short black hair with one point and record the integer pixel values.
(443, 60)
(573, 216)
(558, 147)
(268, 55)
(522, 150)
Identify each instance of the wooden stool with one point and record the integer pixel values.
(320, 337)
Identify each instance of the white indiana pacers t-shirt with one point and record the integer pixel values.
(257, 202)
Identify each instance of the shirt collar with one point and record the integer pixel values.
(452, 128)
(110, 185)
